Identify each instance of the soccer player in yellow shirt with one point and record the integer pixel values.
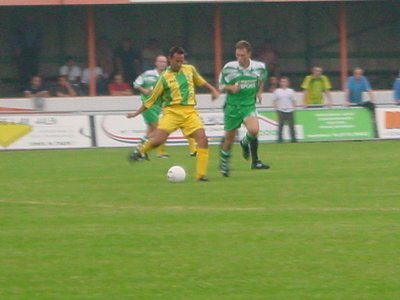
(176, 86)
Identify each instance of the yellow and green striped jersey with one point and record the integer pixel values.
(176, 88)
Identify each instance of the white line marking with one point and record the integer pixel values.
(210, 208)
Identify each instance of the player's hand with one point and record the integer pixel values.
(214, 94)
(235, 88)
(146, 91)
(131, 115)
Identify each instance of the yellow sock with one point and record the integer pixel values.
(192, 145)
(161, 149)
(201, 162)
(146, 147)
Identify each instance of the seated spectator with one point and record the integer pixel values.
(73, 73)
(101, 81)
(36, 88)
(64, 88)
(119, 87)
(356, 85)
(396, 89)
(71, 70)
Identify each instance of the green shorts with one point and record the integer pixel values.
(235, 115)
(151, 114)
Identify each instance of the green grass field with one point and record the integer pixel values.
(322, 223)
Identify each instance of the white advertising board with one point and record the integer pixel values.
(44, 132)
(388, 123)
(118, 131)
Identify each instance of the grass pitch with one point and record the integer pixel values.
(322, 223)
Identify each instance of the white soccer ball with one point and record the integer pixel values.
(176, 174)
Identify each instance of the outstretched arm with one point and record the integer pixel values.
(214, 92)
(136, 113)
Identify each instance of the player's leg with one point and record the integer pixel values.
(202, 155)
(232, 121)
(166, 125)
(192, 146)
(151, 117)
(192, 126)
(226, 151)
(251, 138)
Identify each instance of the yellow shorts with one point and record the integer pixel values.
(181, 117)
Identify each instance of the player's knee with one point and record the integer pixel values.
(202, 142)
(253, 131)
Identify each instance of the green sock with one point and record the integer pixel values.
(248, 138)
(225, 155)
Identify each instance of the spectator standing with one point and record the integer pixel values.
(149, 54)
(273, 84)
(285, 105)
(119, 87)
(36, 88)
(356, 85)
(127, 60)
(64, 88)
(396, 90)
(28, 46)
(243, 82)
(315, 86)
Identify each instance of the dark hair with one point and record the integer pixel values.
(176, 50)
(243, 44)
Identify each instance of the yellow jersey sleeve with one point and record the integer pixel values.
(198, 80)
(156, 93)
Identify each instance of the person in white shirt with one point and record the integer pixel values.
(71, 70)
(101, 81)
(285, 105)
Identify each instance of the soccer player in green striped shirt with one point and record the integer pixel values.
(243, 81)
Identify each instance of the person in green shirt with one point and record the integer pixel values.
(315, 86)
(243, 82)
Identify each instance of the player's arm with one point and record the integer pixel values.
(158, 89)
(225, 87)
(200, 81)
(143, 90)
(141, 109)
(214, 92)
(260, 91)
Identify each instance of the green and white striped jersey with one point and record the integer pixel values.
(249, 80)
(147, 80)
